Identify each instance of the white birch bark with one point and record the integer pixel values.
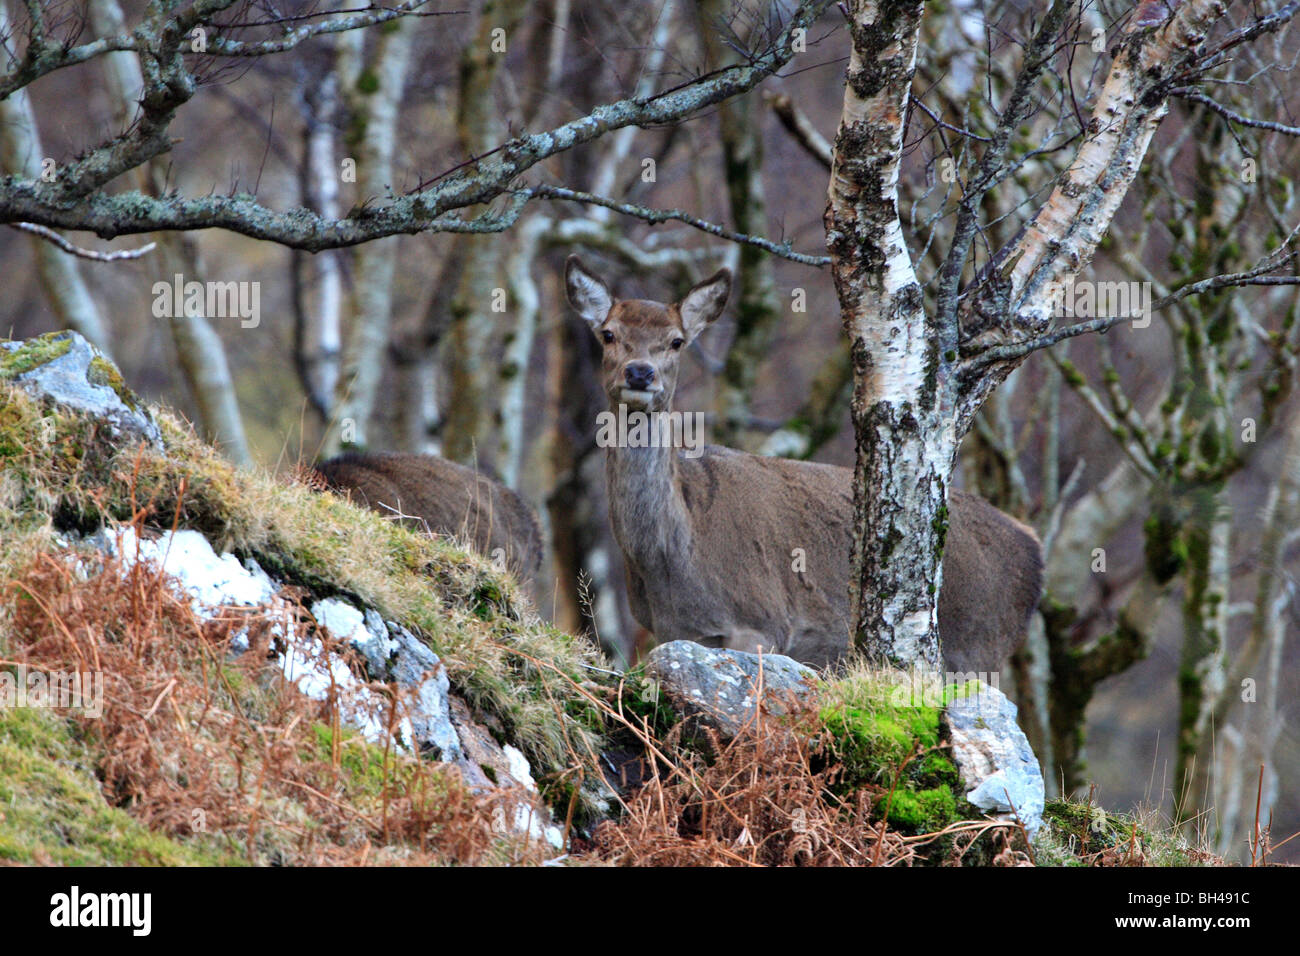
(371, 309)
(59, 274)
(905, 437)
(199, 349)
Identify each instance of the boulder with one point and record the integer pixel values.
(62, 368)
(720, 688)
(998, 768)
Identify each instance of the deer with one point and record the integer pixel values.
(441, 497)
(708, 533)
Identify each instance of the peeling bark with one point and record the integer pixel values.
(905, 447)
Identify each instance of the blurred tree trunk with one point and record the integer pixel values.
(318, 319)
(202, 356)
(1258, 670)
(476, 326)
(546, 53)
(59, 273)
(756, 306)
(372, 95)
(589, 593)
(199, 349)
(821, 415)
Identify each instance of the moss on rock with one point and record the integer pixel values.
(20, 358)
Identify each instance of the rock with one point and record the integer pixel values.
(394, 654)
(433, 721)
(486, 765)
(65, 369)
(998, 768)
(719, 688)
(209, 579)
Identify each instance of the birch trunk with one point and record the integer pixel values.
(475, 323)
(58, 273)
(756, 309)
(374, 111)
(319, 343)
(905, 439)
(199, 350)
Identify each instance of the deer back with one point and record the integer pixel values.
(431, 493)
(764, 557)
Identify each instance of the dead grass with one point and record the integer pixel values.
(758, 803)
(60, 472)
(774, 795)
(225, 753)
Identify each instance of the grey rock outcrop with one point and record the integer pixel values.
(432, 719)
(720, 688)
(997, 766)
(66, 370)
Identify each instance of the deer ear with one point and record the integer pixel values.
(703, 304)
(587, 292)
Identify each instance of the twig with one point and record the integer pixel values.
(52, 237)
(656, 216)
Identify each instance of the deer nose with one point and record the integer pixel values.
(639, 375)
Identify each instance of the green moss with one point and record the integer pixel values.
(940, 527)
(105, 373)
(890, 541)
(1210, 445)
(1072, 375)
(645, 704)
(885, 743)
(52, 811)
(1166, 551)
(360, 763)
(368, 83)
(1075, 834)
(922, 811)
(33, 354)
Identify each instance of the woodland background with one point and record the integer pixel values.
(442, 370)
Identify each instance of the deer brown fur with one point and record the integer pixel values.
(710, 541)
(439, 496)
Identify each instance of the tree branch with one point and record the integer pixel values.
(52, 237)
(801, 128)
(74, 202)
(656, 216)
(1196, 97)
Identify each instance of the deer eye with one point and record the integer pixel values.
(677, 343)
(607, 336)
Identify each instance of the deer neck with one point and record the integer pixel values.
(645, 499)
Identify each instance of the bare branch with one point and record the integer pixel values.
(52, 237)
(1016, 350)
(358, 20)
(1196, 97)
(75, 201)
(656, 216)
(801, 128)
(993, 162)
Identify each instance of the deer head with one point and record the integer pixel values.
(642, 340)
